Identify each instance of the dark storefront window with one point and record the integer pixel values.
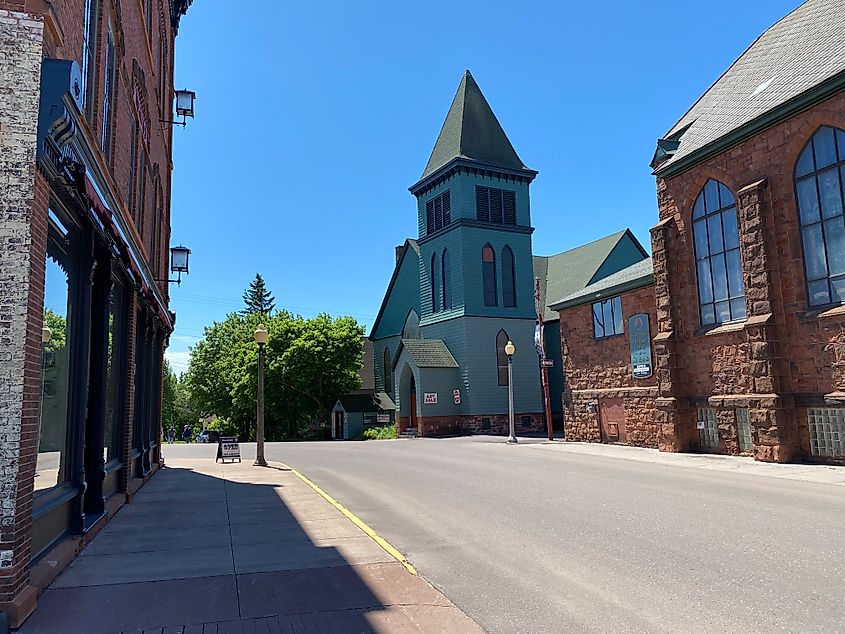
(56, 338)
(113, 423)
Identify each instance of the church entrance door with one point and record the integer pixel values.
(413, 403)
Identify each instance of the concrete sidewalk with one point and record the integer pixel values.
(212, 548)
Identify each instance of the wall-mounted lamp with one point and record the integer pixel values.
(178, 263)
(184, 107)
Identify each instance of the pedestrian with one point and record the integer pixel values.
(186, 433)
(171, 435)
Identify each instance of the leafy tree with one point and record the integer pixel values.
(309, 364)
(257, 298)
(176, 409)
(58, 325)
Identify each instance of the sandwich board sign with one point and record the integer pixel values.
(228, 449)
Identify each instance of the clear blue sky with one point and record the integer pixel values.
(313, 119)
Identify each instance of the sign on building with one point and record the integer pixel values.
(640, 341)
(457, 396)
(430, 398)
(383, 418)
(228, 448)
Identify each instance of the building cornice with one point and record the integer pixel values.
(462, 165)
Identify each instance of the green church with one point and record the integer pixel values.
(465, 287)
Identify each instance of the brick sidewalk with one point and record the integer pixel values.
(211, 548)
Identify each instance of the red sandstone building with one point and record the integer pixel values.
(749, 253)
(747, 304)
(84, 320)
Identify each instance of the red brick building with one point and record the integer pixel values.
(610, 396)
(84, 320)
(749, 252)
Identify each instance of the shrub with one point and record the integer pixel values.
(380, 433)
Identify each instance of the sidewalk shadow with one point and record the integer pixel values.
(195, 548)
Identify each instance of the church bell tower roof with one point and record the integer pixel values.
(472, 133)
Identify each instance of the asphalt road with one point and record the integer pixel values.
(540, 538)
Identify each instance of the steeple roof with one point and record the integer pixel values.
(472, 132)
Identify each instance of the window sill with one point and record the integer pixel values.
(721, 329)
(831, 313)
(606, 337)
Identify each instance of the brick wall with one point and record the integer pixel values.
(21, 296)
(597, 369)
(784, 354)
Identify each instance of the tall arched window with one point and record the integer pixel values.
(721, 291)
(411, 329)
(819, 185)
(388, 373)
(502, 358)
(488, 266)
(444, 269)
(508, 279)
(435, 284)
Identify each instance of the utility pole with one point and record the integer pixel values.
(544, 371)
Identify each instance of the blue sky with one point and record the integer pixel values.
(313, 119)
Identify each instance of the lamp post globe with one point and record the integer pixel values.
(260, 335)
(510, 350)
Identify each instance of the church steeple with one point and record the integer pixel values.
(472, 133)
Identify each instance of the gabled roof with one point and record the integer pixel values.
(472, 132)
(630, 278)
(427, 353)
(409, 244)
(566, 273)
(800, 53)
(366, 401)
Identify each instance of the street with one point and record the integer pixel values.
(546, 538)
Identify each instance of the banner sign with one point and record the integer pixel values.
(228, 448)
(383, 418)
(640, 341)
(430, 398)
(538, 338)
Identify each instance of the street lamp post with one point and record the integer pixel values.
(260, 339)
(510, 350)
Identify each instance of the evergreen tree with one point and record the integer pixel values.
(257, 298)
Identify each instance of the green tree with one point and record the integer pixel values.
(58, 327)
(309, 363)
(257, 298)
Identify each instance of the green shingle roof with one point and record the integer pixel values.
(472, 132)
(428, 353)
(632, 277)
(366, 402)
(797, 54)
(566, 273)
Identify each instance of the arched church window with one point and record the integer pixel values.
(508, 279)
(819, 186)
(721, 290)
(388, 372)
(435, 284)
(444, 269)
(502, 358)
(488, 266)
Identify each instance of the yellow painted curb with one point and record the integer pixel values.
(381, 541)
